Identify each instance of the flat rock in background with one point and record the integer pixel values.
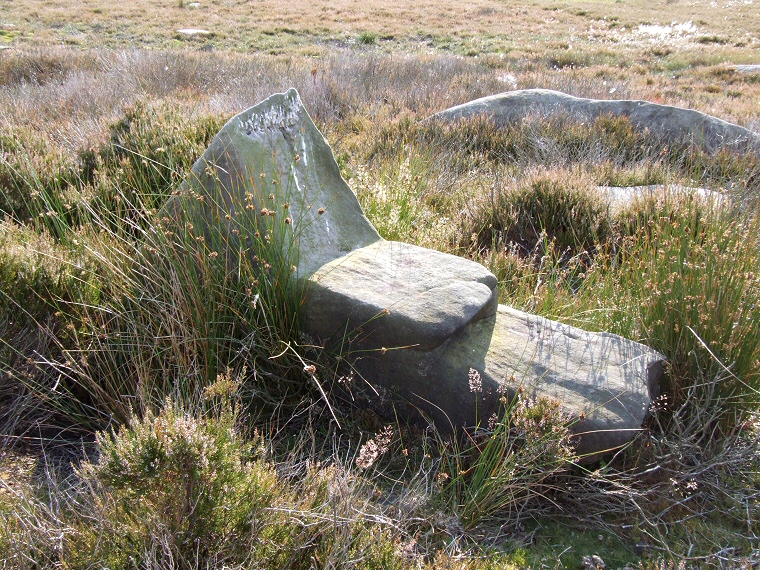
(747, 68)
(621, 196)
(667, 123)
(194, 33)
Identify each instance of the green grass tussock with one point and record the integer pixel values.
(546, 206)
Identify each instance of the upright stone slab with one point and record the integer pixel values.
(666, 123)
(274, 148)
(420, 319)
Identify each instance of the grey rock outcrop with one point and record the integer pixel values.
(621, 196)
(193, 33)
(419, 319)
(666, 123)
(746, 67)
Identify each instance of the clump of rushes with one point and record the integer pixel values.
(682, 278)
(508, 467)
(693, 273)
(181, 298)
(367, 38)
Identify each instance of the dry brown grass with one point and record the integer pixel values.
(726, 30)
(72, 96)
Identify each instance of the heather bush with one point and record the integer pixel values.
(191, 487)
(195, 490)
(33, 270)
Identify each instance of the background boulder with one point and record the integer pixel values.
(666, 123)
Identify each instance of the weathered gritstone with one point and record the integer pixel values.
(420, 318)
(665, 123)
(619, 197)
(396, 293)
(746, 68)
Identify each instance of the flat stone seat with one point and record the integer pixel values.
(604, 381)
(401, 295)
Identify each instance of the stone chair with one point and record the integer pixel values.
(422, 319)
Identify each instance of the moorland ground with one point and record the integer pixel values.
(200, 378)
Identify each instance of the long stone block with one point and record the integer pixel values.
(665, 123)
